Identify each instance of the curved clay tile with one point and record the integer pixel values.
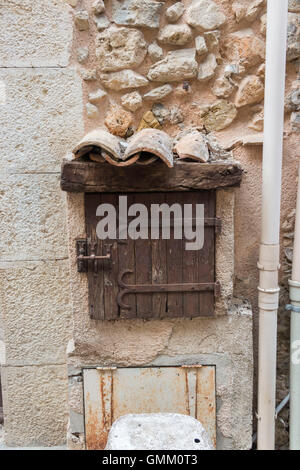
(123, 163)
(192, 146)
(152, 141)
(101, 139)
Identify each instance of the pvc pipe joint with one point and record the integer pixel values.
(268, 299)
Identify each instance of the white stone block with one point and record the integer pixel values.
(35, 34)
(35, 405)
(32, 218)
(41, 119)
(36, 312)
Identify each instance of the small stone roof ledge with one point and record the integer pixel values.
(149, 161)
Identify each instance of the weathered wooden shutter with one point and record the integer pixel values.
(150, 278)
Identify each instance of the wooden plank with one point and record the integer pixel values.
(190, 266)
(206, 258)
(126, 250)
(111, 269)
(174, 266)
(95, 277)
(80, 176)
(143, 265)
(159, 267)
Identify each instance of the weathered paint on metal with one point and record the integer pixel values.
(112, 393)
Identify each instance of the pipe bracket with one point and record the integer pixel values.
(293, 308)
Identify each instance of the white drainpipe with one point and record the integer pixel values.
(271, 198)
(295, 336)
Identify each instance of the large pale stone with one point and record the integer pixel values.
(257, 122)
(246, 12)
(293, 37)
(201, 46)
(123, 80)
(91, 111)
(176, 66)
(239, 10)
(98, 6)
(292, 99)
(158, 431)
(223, 87)
(97, 96)
(254, 9)
(101, 21)
(174, 12)
(132, 101)
(251, 91)
(175, 34)
(35, 405)
(294, 6)
(36, 311)
(295, 121)
(82, 54)
(207, 68)
(89, 75)
(155, 52)
(263, 24)
(32, 217)
(81, 19)
(35, 130)
(144, 13)
(35, 34)
(212, 39)
(245, 47)
(120, 48)
(205, 15)
(158, 93)
(219, 115)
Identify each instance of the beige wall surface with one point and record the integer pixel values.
(46, 107)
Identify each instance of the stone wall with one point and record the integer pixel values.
(41, 117)
(64, 70)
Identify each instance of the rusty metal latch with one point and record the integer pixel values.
(83, 258)
(126, 289)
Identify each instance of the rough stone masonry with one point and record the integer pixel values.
(68, 67)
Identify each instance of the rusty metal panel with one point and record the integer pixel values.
(98, 410)
(112, 393)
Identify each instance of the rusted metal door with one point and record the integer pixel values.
(150, 278)
(112, 393)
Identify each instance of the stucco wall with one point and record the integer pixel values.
(43, 115)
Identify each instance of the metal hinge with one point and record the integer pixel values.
(126, 289)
